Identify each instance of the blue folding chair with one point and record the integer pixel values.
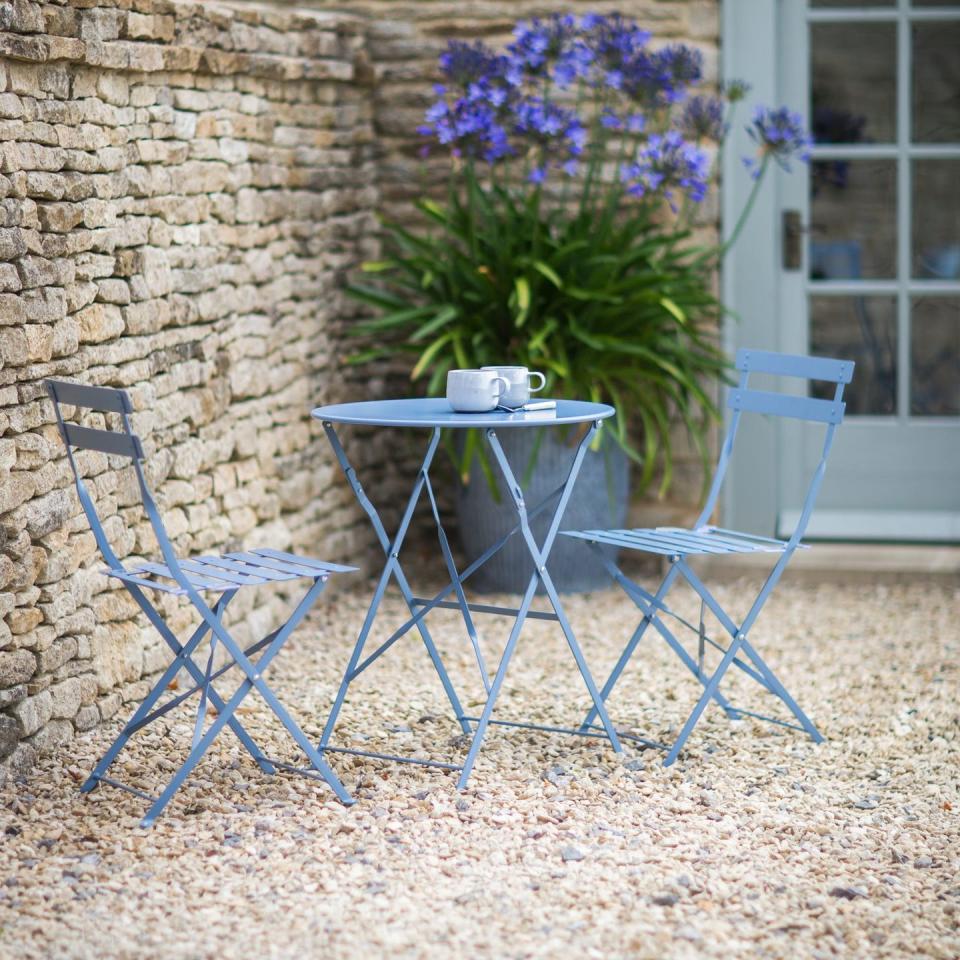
(223, 576)
(678, 544)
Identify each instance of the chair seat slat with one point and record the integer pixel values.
(225, 563)
(674, 543)
(744, 536)
(616, 538)
(241, 580)
(197, 581)
(128, 577)
(307, 561)
(748, 545)
(286, 566)
(691, 539)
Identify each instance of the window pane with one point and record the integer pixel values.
(853, 207)
(862, 329)
(936, 82)
(853, 78)
(936, 219)
(935, 357)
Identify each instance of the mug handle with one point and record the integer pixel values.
(506, 386)
(543, 380)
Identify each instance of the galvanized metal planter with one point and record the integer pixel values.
(599, 500)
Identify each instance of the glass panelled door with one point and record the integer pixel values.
(871, 260)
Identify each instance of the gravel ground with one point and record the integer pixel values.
(756, 843)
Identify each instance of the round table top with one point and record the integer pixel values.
(436, 412)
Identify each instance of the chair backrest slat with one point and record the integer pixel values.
(790, 365)
(104, 399)
(786, 405)
(106, 441)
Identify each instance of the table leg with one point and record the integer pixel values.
(539, 556)
(393, 569)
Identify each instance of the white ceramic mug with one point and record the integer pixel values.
(519, 384)
(475, 391)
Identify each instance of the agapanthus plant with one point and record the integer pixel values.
(578, 157)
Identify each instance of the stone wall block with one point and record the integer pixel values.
(16, 667)
(55, 734)
(87, 718)
(65, 698)
(100, 322)
(33, 713)
(9, 735)
(12, 244)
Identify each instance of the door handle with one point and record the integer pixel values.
(791, 242)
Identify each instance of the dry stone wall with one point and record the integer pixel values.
(184, 186)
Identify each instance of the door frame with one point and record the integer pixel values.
(750, 41)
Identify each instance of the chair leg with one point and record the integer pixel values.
(708, 692)
(195, 672)
(254, 679)
(647, 607)
(181, 661)
(766, 677)
(781, 691)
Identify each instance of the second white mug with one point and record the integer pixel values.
(519, 385)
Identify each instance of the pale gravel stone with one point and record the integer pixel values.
(736, 851)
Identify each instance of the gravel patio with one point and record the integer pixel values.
(756, 843)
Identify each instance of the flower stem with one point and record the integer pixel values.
(745, 213)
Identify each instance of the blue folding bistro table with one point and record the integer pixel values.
(435, 415)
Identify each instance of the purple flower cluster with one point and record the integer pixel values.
(560, 134)
(703, 119)
(667, 162)
(551, 48)
(780, 134)
(493, 106)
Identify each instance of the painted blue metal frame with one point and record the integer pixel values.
(436, 415)
(677, 544)
(223, 575)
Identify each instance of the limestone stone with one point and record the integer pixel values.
(99, 322)
(11, 695)
(66, 698)
(9, 278)
(33, 713)
(39, 343)
(16, 666)
(8, 453)
(14, 346)
(9, 735)
(23, 620)
(109, 705)
(59, 217)
(87, 718)
(53, 735)
(61, 652)
(12, 244)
